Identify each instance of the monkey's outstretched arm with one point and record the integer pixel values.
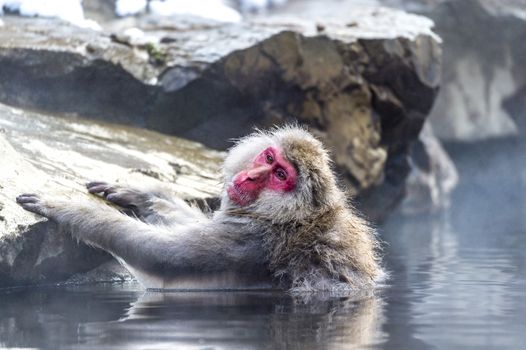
(153, 206)
(199, 249)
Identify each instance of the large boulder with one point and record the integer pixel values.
(53, 155)
(364, 86)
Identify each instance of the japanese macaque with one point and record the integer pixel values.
(283, 223)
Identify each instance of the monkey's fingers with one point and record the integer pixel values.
(100, 187)
(96, 183)
(27, 198)
(96, 186)
(123, 199)
(31, 202)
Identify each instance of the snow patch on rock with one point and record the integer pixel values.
(68, 10)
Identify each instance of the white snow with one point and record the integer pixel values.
(129, 7)
(213, 9)
(67, 10)
(71, 10)
(259, 5)
(137, 37)
(254, 5)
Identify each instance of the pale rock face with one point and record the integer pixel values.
(470, 107)
(483, 78)
(433, 176)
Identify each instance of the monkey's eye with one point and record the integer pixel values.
(270, 159)
(281, 174)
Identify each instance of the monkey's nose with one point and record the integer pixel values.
(257, 173)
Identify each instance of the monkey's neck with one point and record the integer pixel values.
(293, 246)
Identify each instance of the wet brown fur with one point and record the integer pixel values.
(326, 245)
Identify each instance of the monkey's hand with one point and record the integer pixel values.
(124, 197)
(151, 206)
(89, 221)
(33, 203)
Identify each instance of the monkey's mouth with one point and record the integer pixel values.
(238, 196)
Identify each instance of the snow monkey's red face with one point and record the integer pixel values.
(268, 171)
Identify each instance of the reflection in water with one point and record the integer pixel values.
(113, 318)
(459, 280)
(455, 290)
(50, 318)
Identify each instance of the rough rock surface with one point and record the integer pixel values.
(364, 86)
(45, 154)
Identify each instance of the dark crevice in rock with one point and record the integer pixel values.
(31, 264)
(65, 83)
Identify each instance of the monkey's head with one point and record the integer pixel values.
(283, 174)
